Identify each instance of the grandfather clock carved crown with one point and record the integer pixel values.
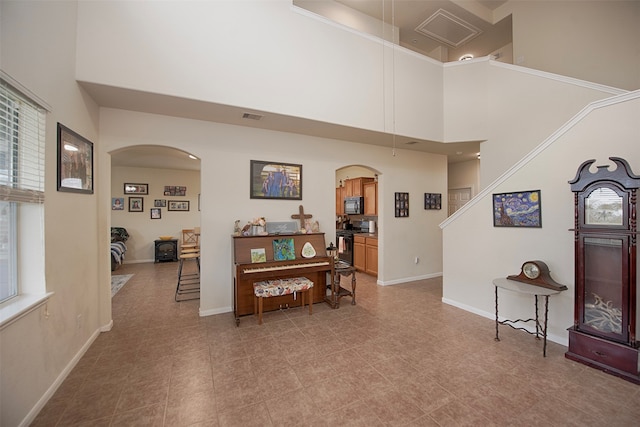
(603, 334)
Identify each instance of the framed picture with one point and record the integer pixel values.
(178, 205)
(136, 204)
(136, 189)
(401, 205)
(432, 200)
(175, 190)
(75, 162)
(117, 204)
(283, 249)
(160, 203)
(156, 213)
(518, 209)
(258, 255)
(273, 180)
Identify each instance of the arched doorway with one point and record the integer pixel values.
(357, 219)
(146, 181)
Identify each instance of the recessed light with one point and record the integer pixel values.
(466, 57)
(191, 156)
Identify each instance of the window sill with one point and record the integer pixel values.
(20, 306)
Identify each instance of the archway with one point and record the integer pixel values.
(357, 216)
(146, 181)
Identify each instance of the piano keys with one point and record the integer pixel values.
(246, 273)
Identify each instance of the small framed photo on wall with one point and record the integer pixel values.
(178, 205)
(156, 213)
(432, 200)
(136, 204)
(401, 205)
(117, 204)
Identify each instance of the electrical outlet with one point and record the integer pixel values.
(79, 321)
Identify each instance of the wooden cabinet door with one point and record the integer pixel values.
(371, 256)
(340, 191)
(348, 187)
(359, 253)
(370, 190)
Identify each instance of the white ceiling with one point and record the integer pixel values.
(408, 15)
(405, 14)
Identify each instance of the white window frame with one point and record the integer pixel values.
(27, 224)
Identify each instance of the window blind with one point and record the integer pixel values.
(22, 127)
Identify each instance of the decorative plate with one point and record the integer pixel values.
(308, 251)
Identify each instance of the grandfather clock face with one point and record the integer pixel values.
(603, 207)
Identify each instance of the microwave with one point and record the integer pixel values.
(353, 205)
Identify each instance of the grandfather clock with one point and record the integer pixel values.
(603, 334)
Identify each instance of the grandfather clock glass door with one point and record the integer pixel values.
(606, 287)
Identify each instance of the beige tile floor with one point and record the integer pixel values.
(400, 357)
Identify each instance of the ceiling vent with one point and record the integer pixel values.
(252, 116)
(448, 29)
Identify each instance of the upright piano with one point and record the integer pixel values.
(246, 273)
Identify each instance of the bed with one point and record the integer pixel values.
(119, 237)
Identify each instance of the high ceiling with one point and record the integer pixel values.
(423, 26)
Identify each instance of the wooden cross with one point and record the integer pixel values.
(301, 216)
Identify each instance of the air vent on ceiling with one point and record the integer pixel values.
(447, 28)
(252, 116)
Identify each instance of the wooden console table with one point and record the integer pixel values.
(536, 291)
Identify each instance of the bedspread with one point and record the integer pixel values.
(118, 250)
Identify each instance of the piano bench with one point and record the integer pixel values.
(279, 287)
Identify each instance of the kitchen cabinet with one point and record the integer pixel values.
(365, 254)
(340, 195)
(354, 186)
(371, 256)
(370, 191)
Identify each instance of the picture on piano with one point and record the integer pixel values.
(258, 255)
(283, 249)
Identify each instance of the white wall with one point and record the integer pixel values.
(464, 175)
(470, 239)
(277, 61)
(595, 41)
(225, 152)
(143, 230)
(511, 108)
(37, 41)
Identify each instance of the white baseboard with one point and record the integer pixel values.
(408, 279)
(204, 313)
